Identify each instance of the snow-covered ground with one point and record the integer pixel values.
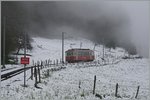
(64, 84)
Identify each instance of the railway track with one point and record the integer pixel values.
(13, 73)
(19, 71)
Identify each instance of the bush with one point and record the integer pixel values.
(46, 73)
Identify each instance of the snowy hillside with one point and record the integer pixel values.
(75, 82)
(52, 48)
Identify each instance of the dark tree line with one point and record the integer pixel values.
(14, 18)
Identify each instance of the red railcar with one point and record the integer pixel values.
(78, 55)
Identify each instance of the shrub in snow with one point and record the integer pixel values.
(46, 74)
(82, 94)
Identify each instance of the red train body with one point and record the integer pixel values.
(78, 55)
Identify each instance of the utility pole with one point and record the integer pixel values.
(25, 57)
(94, 46)
(4, 43)
(62, 48)
(103, 49)
(80, 45)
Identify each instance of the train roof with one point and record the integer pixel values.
(77, 49)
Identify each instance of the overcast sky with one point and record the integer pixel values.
(126, 23)
(139, 14)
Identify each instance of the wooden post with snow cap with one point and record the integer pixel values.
(48, 62)
(116, 91)
(42, 64)
(31, 73)
(32, 70)
(94, 84)
(79, 84)
(57, 62)
(35, 74)
(39, 73)
(137, 91)
(54, 62)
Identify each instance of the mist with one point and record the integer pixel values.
(139, 15)
(102, 22)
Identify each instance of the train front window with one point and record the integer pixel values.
(74, 53)
(69, 54)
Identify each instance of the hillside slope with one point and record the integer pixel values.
(64, 84)
(52, 48)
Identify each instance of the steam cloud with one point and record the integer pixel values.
(97, 21)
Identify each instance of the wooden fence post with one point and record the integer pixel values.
(35, 74)
(116, 91)
(57, 62)
(94, 84)
(38, 62)
(54, 62)
(31, 73)
(48, 62)
(44, 64)
(137, 92)
(39, 74)
(79, 84)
